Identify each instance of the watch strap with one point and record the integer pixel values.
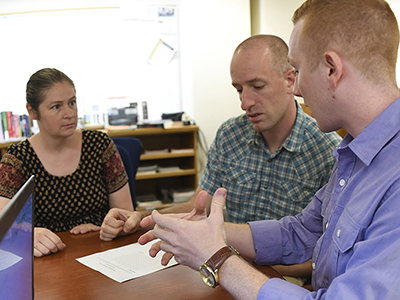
(220, 257)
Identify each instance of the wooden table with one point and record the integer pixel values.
(60, 276)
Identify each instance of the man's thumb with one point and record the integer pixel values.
(218, 202)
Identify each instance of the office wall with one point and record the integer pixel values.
(216, 28)
(208, 32)
(273, 17)
(104, 50)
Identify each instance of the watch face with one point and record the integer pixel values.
(207, 275)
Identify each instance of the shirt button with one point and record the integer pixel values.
(270, 160)
(326, 225)
(342, 182)
(338, 233)
(313, 266)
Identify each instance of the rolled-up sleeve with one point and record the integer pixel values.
(279, 289)
(267, 241)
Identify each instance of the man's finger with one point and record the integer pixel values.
(164, 221)
(166, 258)
(154, 249)
(201, 201)
(147, 221)
(147, 237)
(218, 203)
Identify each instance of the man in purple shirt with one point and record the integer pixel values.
(344, 53)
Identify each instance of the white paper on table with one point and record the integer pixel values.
(127, 262)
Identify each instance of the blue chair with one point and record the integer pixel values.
(130, 149)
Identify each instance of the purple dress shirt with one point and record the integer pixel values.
(351, 229)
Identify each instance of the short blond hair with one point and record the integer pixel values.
(365, 32)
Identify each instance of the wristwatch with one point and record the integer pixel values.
(209, 270)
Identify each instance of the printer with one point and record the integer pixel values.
(123, 116)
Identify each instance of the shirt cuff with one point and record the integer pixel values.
(277, 289)
(267, 241)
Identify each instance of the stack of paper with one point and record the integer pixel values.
(169, 169)
(147, 169)
(181, 195)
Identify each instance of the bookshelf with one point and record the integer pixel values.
(5, 144)
(14, 127)
(166, 148)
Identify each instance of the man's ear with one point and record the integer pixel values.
(334, 67)
(290, 77)
(31, 112)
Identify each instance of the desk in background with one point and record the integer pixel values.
(60, 277)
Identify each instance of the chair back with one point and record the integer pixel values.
(130, 149)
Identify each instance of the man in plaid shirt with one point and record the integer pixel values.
(273, 158)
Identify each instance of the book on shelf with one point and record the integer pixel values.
(161, 151)
(176, 195)
(150, 201)
(152, 169)
(146, 172)
(1, 131)
(5, 125)
(166, 150)
(9, 124)
(146, 169)
(185, 150)
(180, 195)
(146, 198)
(169, 169)
(155, 124)
(14, 126)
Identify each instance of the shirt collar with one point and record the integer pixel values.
(293, 142)
(375, 136)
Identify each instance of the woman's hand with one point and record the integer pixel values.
(46, 242)
(119, 221)
(84, 228)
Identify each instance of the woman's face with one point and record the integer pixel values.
(58, 113)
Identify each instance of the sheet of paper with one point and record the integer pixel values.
(125, 263)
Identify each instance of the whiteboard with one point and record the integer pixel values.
(104, 51)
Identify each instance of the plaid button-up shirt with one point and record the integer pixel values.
(262, 185)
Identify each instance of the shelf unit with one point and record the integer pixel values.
(5, 144)
(157, 139)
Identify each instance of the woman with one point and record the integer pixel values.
(79, 174)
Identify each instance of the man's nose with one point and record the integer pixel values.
(247, 100)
